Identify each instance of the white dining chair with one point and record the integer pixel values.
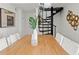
(3, 43)
(70, 46)
(9, 40)
(17, 36)
(59, 38)
(77, 52)
(13, 38)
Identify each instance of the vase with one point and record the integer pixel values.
(34, 40)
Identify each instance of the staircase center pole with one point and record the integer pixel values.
(52, 20)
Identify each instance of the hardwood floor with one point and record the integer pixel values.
(47, 45)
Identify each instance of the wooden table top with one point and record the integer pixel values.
(47, 45)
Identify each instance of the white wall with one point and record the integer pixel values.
(62, 24)
(26, 30)
(10, 30)
(19, 21)
(57, 21)
(66, 28)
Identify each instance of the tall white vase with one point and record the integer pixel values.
(34, 40)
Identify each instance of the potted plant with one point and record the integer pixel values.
(33, 24)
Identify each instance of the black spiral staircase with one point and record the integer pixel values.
(46, 25)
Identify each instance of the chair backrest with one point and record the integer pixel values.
(9, 41)
(3, 43)
(77, 52)
(13, 38)
(59, 38)
(70, 46)
(17, 36)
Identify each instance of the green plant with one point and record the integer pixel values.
(32, 22)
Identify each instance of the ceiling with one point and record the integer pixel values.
(28, 7)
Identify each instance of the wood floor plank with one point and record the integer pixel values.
(47, 45)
